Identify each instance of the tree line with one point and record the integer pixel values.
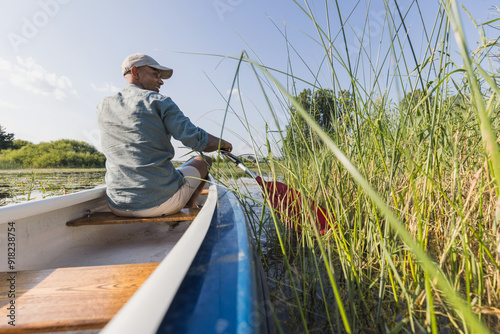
(337, 112)
(64, 153)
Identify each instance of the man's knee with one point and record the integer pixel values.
(202, 164)
(208, 160)
(204, 160)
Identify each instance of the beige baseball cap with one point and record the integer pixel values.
(140, 59)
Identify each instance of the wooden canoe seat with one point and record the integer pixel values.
(67, 299)
(104, 218)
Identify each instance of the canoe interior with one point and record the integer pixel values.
(74, 279)
(45, 242)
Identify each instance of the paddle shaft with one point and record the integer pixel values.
(238, 163)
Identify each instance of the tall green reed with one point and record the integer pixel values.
(412, 184)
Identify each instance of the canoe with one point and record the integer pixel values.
(68, 265)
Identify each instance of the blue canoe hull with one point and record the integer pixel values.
(224, 290)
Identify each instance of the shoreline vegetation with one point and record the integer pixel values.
(64, 153)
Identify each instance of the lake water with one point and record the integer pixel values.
(23, 185)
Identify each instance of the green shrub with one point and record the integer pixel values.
(55, 154)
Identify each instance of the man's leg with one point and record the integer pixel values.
(202, 164)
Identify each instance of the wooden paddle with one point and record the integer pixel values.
(285, 200)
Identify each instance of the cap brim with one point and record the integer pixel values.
(165, 72)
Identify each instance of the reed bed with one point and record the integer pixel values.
(412, 182)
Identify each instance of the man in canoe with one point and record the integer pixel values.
(136, 126)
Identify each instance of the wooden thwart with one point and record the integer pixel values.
(104, 218)
(68, 298)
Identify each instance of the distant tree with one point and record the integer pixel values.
(6, 139)
(328, 110)
(18, 143)
(417, 103)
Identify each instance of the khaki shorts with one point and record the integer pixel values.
(173, 204)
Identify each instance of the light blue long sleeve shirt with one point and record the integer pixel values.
(137, 126)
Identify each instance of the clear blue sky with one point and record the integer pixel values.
(58, 58)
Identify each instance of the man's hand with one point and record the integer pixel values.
(224, 145)
(213, 144)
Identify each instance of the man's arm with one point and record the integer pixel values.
(213, 144)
